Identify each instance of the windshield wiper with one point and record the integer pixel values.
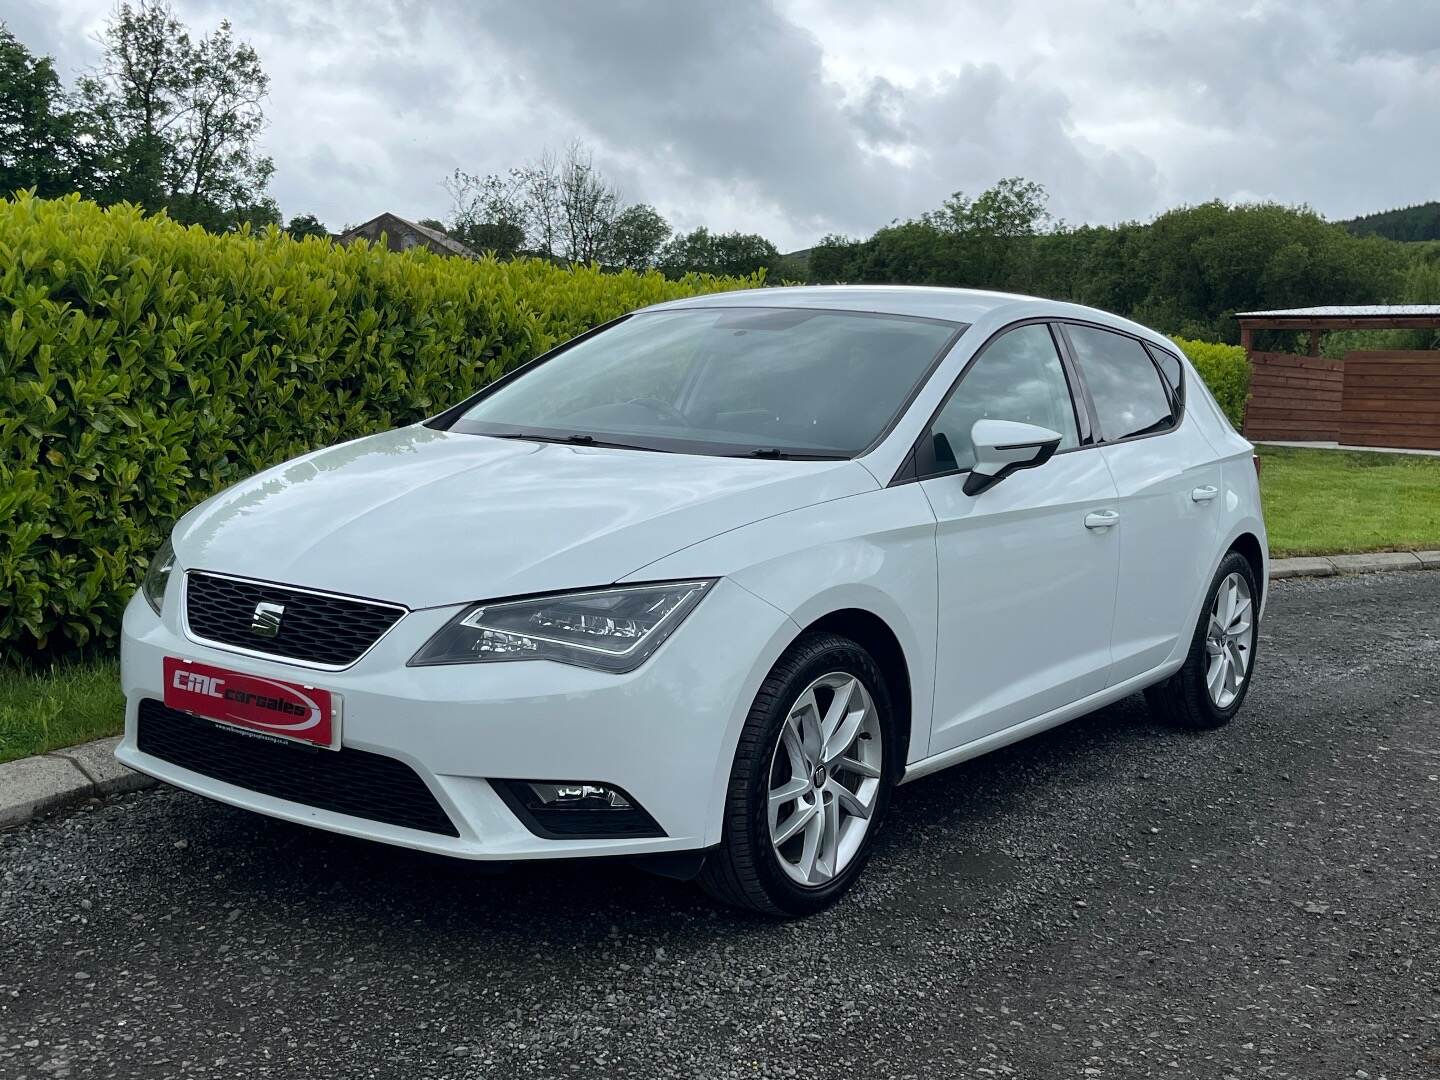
(775, 453)
(577, 439)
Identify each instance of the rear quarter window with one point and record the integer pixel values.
(1169, 365)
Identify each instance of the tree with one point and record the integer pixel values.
(488, 212)
(553, 207)
(432, 223)
(258, 214)
(743, 253)
(306, 225)
(833, 258)
(537, 187)
(917, 253)
(1420, 222)
(175, 122)
(979, 242)
(1200, 264)
(35, 125)
(589, 205)
(1013, 207)
(637, 236)
(702, 251)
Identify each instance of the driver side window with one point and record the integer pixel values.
(1018, 377)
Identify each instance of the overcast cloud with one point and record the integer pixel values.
(795, 118)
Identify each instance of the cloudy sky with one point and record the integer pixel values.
(795, 118)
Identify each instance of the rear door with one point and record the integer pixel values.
(1026, 587)
(1169, 488)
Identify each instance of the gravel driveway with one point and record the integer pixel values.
(1111, 899)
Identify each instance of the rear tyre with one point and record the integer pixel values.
(810, 784)
(1211, 685)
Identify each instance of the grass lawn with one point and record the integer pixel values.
(1316, 502)
(1323, 502)
(47, 708)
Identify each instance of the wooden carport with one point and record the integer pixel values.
(1369, 398)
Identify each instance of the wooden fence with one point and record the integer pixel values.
(1391, 399)
(1294, 397)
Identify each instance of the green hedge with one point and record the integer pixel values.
(144, 366)
(1226, 371)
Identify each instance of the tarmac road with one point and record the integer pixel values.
(1111, 899)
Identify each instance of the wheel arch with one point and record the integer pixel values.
(874, 635)
(1247, 544)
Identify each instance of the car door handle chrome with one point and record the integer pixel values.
(1205, 494)
(1102, 519)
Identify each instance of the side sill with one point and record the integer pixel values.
(1023, 730)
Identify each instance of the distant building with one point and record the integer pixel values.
(402, 235)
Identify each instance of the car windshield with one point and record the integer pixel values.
(765, 382)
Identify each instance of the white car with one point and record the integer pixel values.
(702, 585)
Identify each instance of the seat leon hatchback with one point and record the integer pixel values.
(701, 586)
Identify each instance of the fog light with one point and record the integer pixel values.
(560, 809)
(575, 796)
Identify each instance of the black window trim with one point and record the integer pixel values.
(1177, 393)
(1177, 405)
(912, 469)
(446, 420)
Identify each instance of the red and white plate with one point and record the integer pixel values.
(284, 710)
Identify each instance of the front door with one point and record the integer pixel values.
(1027, 568)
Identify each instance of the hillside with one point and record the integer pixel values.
(1420, 222)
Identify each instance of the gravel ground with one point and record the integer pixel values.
(1111, 899)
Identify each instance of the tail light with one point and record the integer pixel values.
(1256, 459)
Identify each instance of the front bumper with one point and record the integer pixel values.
(665, 733)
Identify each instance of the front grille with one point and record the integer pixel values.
(333, 631)
(353, 782)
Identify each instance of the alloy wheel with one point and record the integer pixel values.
(825, 775)
(1229, 638)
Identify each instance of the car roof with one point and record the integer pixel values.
(954, 305)
(928, 301)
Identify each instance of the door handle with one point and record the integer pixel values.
(1205, 494)
(1102, 519)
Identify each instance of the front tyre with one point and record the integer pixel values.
(1210, 687)
(810, 784)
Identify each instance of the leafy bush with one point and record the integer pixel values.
(1226, 371)
(145, 365)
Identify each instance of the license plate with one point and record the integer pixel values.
(283, 710)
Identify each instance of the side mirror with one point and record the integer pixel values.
(1005, 446)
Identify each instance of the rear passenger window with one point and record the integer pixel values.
(1129, 397)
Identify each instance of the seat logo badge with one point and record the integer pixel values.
(266, 620)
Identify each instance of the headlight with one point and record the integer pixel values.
(614, 629)
(158, 576)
